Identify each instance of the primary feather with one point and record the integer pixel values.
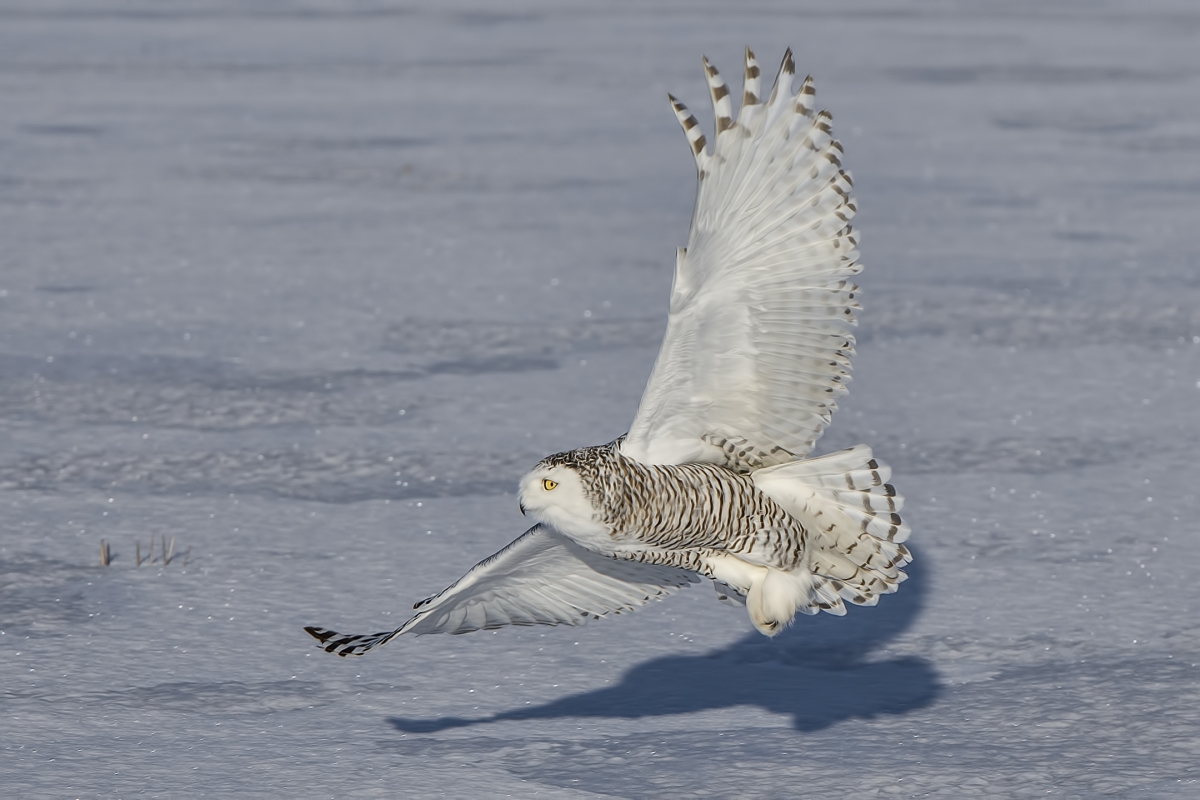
(712, 479)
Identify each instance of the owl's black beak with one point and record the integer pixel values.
(522, 507)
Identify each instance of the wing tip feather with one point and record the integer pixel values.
(722, 109)
(691, 128)
(322, 635)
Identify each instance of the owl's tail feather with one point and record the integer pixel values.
(854, 528)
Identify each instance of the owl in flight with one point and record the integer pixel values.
(712, 479)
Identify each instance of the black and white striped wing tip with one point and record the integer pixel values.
(541, 578)
(347, 644)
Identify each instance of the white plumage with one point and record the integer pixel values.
(712, 479)
(756, 349)
(541, 578)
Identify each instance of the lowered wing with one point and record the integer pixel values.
(757, 346)
(542, 578)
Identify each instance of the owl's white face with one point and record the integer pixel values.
(555, 495)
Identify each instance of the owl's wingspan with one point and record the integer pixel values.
(541, 578)
(757, 345)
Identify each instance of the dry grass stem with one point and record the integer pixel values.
(166, 552)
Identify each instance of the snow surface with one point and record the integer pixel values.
(307, 286)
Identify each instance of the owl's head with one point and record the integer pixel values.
(554, 493)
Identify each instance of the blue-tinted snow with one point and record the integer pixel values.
(307, 286)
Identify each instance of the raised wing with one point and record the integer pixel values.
(757, 345)
(542, 578)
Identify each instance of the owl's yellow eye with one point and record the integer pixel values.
(548, 484)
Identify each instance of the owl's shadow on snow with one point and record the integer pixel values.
(820, 672)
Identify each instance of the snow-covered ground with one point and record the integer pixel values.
(307, 286)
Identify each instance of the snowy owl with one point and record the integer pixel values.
(711, 480)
